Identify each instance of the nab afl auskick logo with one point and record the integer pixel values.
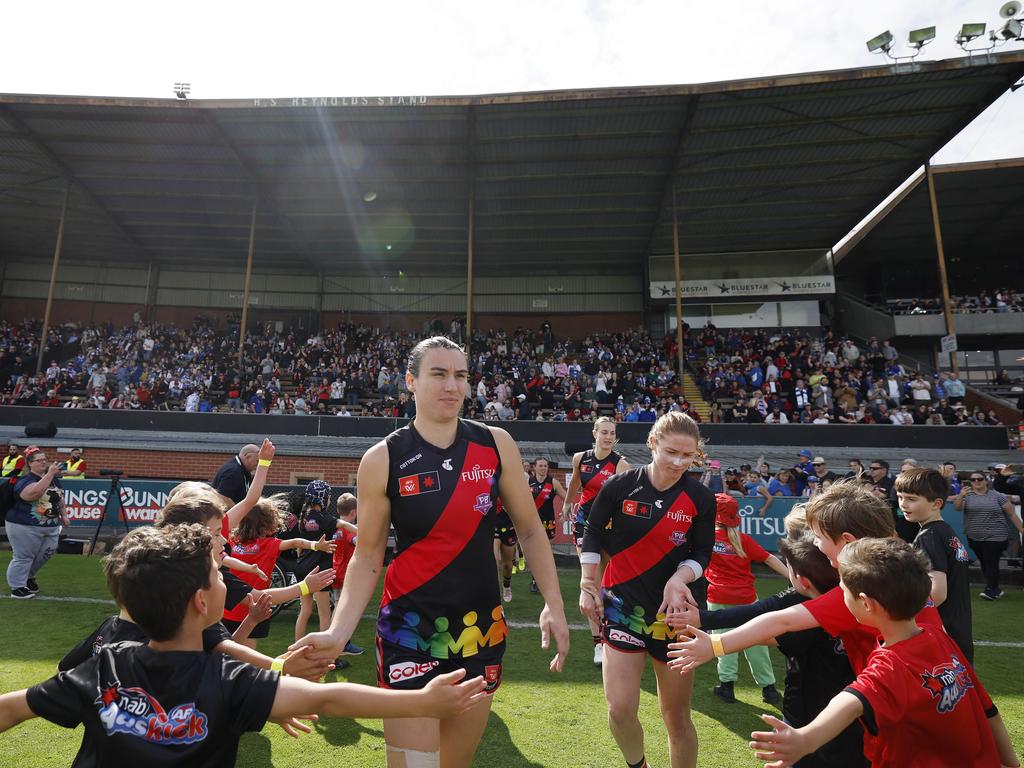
(478, 473)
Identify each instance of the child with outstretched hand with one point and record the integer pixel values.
(919, 700)
(169, 703)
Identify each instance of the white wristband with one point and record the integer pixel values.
(590, 558)
(694, 566)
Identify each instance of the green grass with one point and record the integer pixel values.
(538, 719)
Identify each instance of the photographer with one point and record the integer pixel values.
(34, 522)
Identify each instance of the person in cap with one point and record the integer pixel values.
(803, 469)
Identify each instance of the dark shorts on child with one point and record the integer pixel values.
(507, 536)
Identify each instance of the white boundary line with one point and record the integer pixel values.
(512, 624)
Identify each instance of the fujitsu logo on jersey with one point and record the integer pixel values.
(948, 683)
(408, 670)
(478, 473)
(680, 517)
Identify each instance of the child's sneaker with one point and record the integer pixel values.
(351, 649)
(770, 695)
(725, 692)
(598, 655)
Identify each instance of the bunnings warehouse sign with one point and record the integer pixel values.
(88, 501)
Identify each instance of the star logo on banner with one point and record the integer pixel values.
(723, 288)
(666, 291)
(784, 286)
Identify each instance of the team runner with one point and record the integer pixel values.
(590, 470)
(660, 542)
(437, 481)
(545, 488)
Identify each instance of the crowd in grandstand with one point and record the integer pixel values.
(749, 376)
(770, 377)
(1002, 300)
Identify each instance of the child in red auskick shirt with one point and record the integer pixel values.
(730, 583)
(254, 542)
(919, 700)
(345, 540)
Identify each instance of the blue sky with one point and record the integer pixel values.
(241, 50)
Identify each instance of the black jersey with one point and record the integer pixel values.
(544, 497)
(144, 707)
(652, 533)
(948, 554)
(440, 590)
(594, 472)
(117, 630)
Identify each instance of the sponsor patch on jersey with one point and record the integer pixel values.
(245, 548)
(483, 503)
(478, 473)
(678, 538)
(135, 712)
(948, 684)
(409, 670)
(424, 482)
(618, 636)
(447, 464)
(636, 509)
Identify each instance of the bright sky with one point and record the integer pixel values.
(442, 47)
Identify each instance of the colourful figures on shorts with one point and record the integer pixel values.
(441, 644)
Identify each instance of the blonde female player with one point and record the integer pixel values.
(660, 542)
(437, 481)
(590, 470)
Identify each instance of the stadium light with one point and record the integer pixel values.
(182, 90)
(880, 43)
(968, 32)
(919, 38)
(1012, 30)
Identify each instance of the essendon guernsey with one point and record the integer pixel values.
(652, 533)
(440, 591)
(543, 497)
(594, 472)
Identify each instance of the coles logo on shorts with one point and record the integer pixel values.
(618, 636)
(408, 670)
(636, 509)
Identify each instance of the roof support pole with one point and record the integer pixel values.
(679, 290)
(53, 276)
(471, 182)
(245, 291)
(947, 306)
(152, 281)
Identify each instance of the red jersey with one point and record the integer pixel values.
(831, 613)
(729, 578)
(346, 543)
(261, 552)
(924, 706)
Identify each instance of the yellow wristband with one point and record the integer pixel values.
(265, 462)
(303, 587)
(277, 665)
(716, 645)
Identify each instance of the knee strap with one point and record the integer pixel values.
(414, 758)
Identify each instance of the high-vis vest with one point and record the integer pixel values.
(74, 473)
(10, 465)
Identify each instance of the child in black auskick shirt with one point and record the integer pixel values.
(169, 703)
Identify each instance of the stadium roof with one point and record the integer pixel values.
(980, 208)
(562, 181)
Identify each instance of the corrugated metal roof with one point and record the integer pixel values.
(564, 181)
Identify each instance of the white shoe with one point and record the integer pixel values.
(506, 594)
(598, 655)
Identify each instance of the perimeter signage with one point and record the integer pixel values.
(743, 287)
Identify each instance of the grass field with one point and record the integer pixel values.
(538, 719)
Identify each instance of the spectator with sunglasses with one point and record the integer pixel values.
(988, 517)
(34, 522)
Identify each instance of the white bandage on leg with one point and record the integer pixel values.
(416, 759)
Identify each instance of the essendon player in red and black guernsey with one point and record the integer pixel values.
(660, 541)
(437, 481)
(590, 470)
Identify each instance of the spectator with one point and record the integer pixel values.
(235, 475)
(822, 472)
